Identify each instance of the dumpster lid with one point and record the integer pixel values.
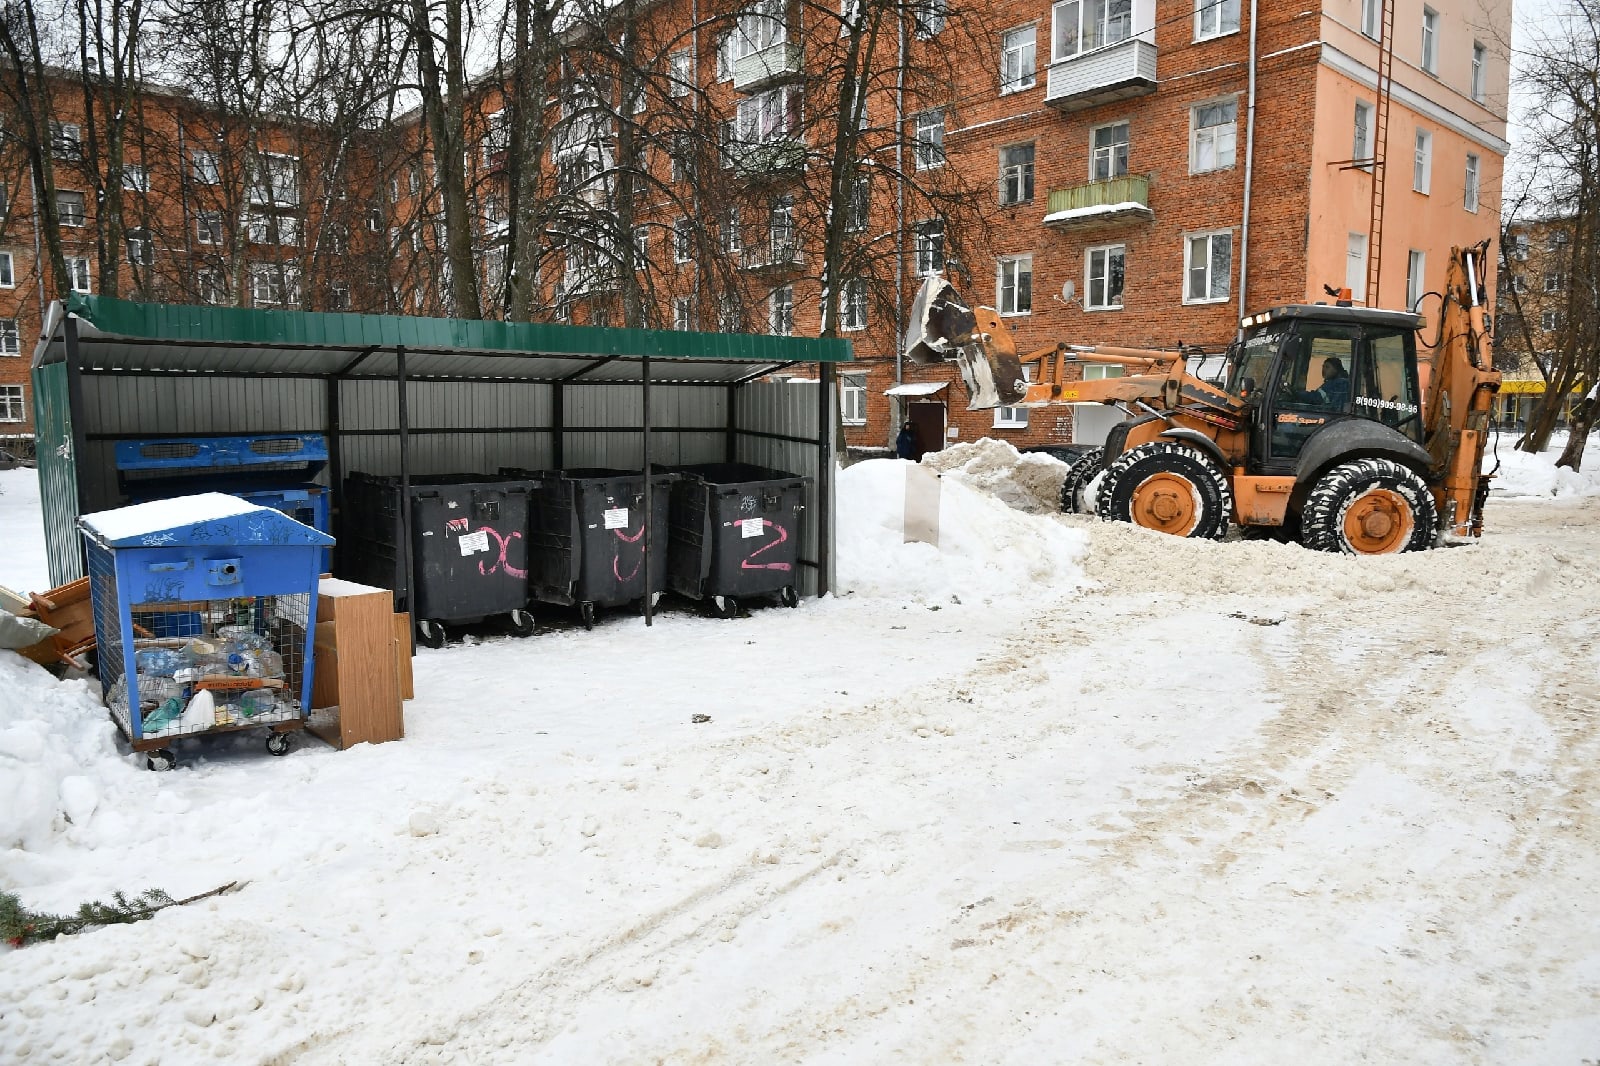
(209, 518)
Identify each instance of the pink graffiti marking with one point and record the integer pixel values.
(616, 559)
(502, 563)
(747, 562)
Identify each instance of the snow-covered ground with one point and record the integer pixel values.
(1053, 791)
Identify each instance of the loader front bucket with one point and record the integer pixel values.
(944, 327)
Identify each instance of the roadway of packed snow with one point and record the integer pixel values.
(1051, 791)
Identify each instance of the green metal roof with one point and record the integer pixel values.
(121, 335)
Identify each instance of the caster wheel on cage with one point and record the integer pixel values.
(430, 632)
(278, 744)
(789, 596)
(586, 612)
(520, 623)
(160, 760)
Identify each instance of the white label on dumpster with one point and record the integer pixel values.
(752, 527)
(475, 542)
(616, 518)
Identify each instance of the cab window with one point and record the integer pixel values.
(1313, 384)
(1385, 391)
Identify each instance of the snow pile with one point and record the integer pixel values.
(23, 567)
(1524, 474)
(986, 549)
(1030, 482)
(58, 755)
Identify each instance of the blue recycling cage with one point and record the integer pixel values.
(206, 594)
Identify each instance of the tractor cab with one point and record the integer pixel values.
(1301, 368)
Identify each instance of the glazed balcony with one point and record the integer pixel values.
(1114, 72)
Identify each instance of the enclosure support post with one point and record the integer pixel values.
(649, 504)
(75, 412)
(404, 417)
(335, 464)
(825, 395)
(558, 433)
(730, 436)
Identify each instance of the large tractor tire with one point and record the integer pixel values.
(1079, 474)
(1167, 487)
(1369, 507)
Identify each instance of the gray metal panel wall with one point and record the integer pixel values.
(671, 408)
(473, 409)
(790, 409)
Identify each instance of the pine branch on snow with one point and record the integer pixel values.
(20, 926)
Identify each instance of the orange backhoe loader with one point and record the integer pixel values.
(1318, 432)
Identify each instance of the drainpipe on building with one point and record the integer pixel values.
(1249, 170)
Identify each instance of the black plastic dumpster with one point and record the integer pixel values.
(586, 541)
(469, 538)
(735, 533)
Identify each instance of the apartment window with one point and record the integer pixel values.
(10, 337)
(782, 245)
(1362, 148)
(1215, 133)
(1014, 417)
(276, 180)
(1555, 281)
(69, 208)
(641, 246)
(849, 16)
(1207, 266)
(208, 228)
(730, 317)
(1103, 288)
(680, 72)
(1519, 247)
(1014, 285)
(1371, 11)
(141, 248)
(930, 17)
(769, 117)
(1215, 18)
(136, 178)
(758, 27)
(274, 285)
(1080, 26)
(780, 311)
(8, 277)
(853, 399)
(1557, 240)
(682, 240)
(209, 288)
(1018, 55)
(1469, 193)
(11, 404)
(1478, 74)
(930, 246)
(1355, 266)
(853, 304)
(1550, 320)
(732, 235)
(1519, 283)
(1416, 273)
(338, 296)
(929, 139)
(682, 313)
(1430, 40)
(859, 205)
(1108, 151)
(679, 148)
(1422, 163)
(66, 140)
(204, 168)
(78, 272)
(1016, 174)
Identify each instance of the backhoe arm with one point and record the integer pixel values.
(1461, 393)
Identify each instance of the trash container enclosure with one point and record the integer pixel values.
(468, 541)
(205, 593)
(735, 530)
(586, 536)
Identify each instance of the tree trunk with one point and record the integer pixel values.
(1583, 416)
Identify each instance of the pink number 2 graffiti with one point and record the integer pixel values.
(749, 561)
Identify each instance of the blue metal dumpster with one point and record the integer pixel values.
(203, 614)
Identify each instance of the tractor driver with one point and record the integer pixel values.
(1335, 391)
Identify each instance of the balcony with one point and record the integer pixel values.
(778, 254)
(766, 158)
(1115, 72)
(771, 66)
(1123, 199)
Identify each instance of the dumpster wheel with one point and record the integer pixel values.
(520, 623)
(278, 744)
(430, 632)
(160, 760)
(789, 596)
(586, 612)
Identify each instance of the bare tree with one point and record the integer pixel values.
(26, 81)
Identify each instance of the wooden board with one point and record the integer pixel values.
(356, 686)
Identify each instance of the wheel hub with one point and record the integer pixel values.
(1378, 522)
(1165, 502)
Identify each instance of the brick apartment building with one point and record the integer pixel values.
(1116, 143)
(1535, 282)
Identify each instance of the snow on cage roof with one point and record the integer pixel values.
(210, 518)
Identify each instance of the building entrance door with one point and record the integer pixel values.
(927, 425)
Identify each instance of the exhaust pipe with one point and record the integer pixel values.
(943, 326)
